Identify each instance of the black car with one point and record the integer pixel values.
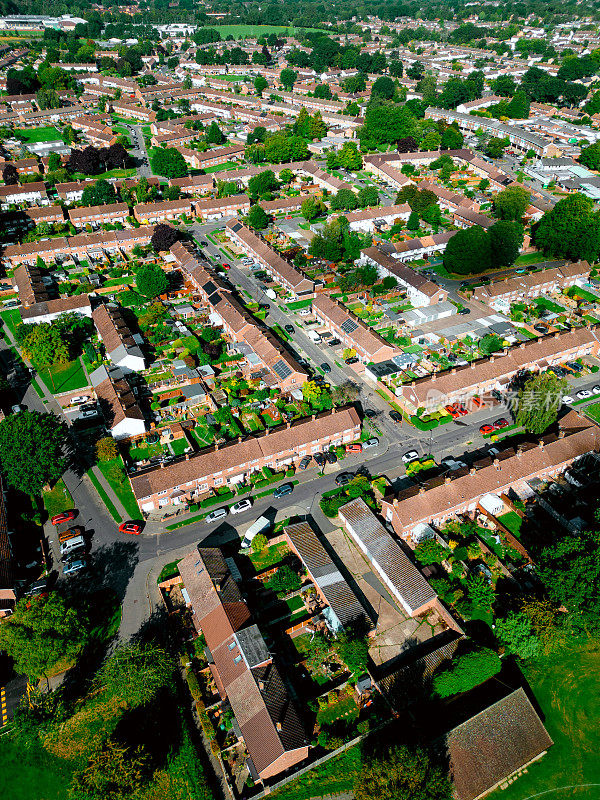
(396, 415)
(343, 478)
(370, 413)
(331, 457)
(289, 328)
(333, 343)
(325, 367)
(319, 458)
(204, 244)
(464, 311)
(352, 360)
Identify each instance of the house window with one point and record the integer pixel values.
(237, 659)
(218, 480)
(232, 645)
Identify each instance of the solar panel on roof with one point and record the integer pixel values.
(282, 370)
(349, 326)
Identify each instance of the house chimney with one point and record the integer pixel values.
(434, 376)
(313, 417)
(278, 725)
(395, 502)
(561, 434)
(240, 438)
(267, 430)
(472, 365)
(217, 444)
(472, 471)
(422, 490)
(541, 444)
(447, 479)
(519, 452)
(497, 463)
(187, 456)
(453, 371)
(162, 466)
(261, 685)
(492, 359)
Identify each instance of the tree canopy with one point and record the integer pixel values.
(31, 450)
(466, 672)
(468, 252)
(403, 773)
(511, 203)
(169, 162)
(570, 230)
(164, 237)
(151, 281)
(538, 402)
(42, 631)
(101, 193)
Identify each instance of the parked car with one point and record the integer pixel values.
(331, 457)
(304, 462)
(355, 447)
(17, 408)
(73, 565)
(464, 311)
(133, 528)
(583, 394)
(396, 415)
(370, 413)
(74, 545)
(567, 399)
(70, 533)
(352, 360)
(289, 328)
(281, 491)
(409, 456)
(218, 513)
(216, 256)
(64, 516)
(243, 505)
(325, 367)
(88, 414)
(486, 429)
(501, 423)
(319, 458)
(343, 478)
(596, 389)
(333, 342)
(574, 366)
(82, 398)
(372, 442)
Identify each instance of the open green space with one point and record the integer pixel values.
(114, 472)
(47, 134)
(34, 774)
(333, 777)
(565, 685)
(512, 521)
(57, 499)
(221, 167)
(530, 258)
(11, 318)
(267, 558)
(593, 412)
(64, 377)
(104, 497)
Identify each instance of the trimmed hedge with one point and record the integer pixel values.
(217, 498)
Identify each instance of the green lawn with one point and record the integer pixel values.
(346, 707)
(179, 446)
(512, 521)
(566, 688)
(58, 499)
(48, 134)
(221, 167)
(593, 412)
(332, 777)
(11, 318)
(32, 773)
(115, 474)
(268, 557)
(530, 258)
(64, 377)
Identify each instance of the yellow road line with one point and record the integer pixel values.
(3, 710)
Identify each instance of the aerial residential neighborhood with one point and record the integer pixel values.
(299, 400)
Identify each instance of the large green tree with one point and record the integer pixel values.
(262, 183)
(468, 252)
(403, 773)
(134, 673)
(570, 230)
(511, 203)
(538, 402)
(151, 280)
(169, 162)
(257, 218)
(31, 450)
(590, 156)
(42, 631)
(506, 240)
(101, 193)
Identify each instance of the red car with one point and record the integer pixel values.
(501, 423)
(476, 401)
(452, 411)
(226, 266)
(130, 527)
(486, 429)
(354, 448)
(461, 409)
(64, 516)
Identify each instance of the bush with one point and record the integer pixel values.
(259, 543)
(430, 552)
(466, 672)
(217, 498)
(106, 449)
(284, 581)
(193, 686)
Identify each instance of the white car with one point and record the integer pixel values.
(88, 414)
(218, 513)
(243, 505)
(410, 456)
(73, 566)
(373, 442)
(82, 398)
(596, 389)
(17, 409)
(584, 394)
(567, 399)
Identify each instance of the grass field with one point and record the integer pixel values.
(566, 688)
(47, 134)
(57, 499)
(64, 377)
(222, 167)
(332, 777)
(593, 412)
(115, 474)
(37, 774)
(11, 318)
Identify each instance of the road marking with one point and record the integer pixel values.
(3, 711)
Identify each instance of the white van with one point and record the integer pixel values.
(68, 547)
